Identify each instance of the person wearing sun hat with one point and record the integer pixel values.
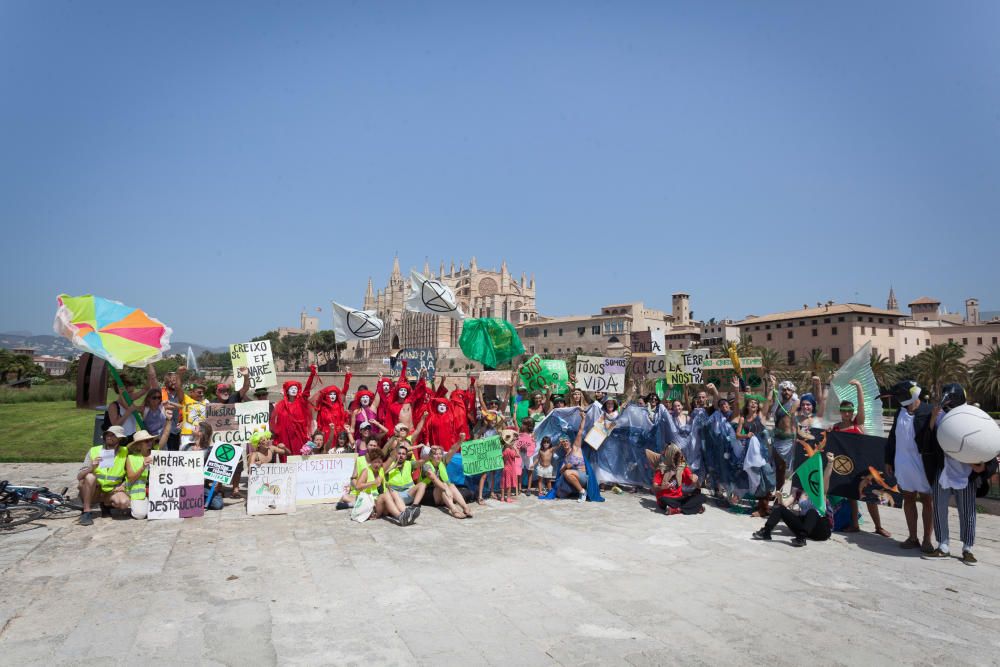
(101, 480)
(137, 468)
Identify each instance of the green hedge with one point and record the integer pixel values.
(39, 394)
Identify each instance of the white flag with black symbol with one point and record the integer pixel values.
(428, 295)
(351, 324)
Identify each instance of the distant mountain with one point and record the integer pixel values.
(57, 346)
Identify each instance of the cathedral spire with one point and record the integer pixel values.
(892, 304)
(369, 296)
(396, 273)
(427, 268)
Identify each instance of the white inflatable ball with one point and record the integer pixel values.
(969, 435)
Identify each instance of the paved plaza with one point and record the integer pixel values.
(534, 583)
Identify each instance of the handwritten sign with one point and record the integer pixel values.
(647, 342)
(417, 359)
(727, 363)
(221, 417)
(176, 485)
(245, 417)
(222, 461)
(537, 372)
(684, 366)
(479, 456)
(271, 489)
(497, 378)
(323, 478)
(257, 358)
(642, 366)
(605, 374)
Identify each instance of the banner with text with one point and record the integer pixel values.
(479, 456)
(647, 366)
(176, 485)
(684, 366)
(271, 489)
(255, 356)
(417, 359)
(495, 378)
(648, 342)
(605, 374)
(322, 478)
(537, 372)
(240, 420)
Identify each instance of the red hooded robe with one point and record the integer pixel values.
(291, 422)
(330, 411)
(440, 426)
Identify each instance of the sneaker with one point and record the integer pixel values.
(86, 519)
(968, 558)
(343, 505)
(937, 554)
(105, 511)
(582, 498)
(761, 535)
(798, 541)
(415, 510)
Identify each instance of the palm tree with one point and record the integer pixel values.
(817, 364)
(939, 364)
(883, 370)
(986, 375)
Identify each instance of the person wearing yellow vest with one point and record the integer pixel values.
(435, 476)
(399, 478)
(372, 481)
(101, 480)
(137, 467)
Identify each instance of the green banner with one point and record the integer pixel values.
(479, 456)
(810, 474)
(537, 372)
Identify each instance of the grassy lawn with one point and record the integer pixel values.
(44, 432)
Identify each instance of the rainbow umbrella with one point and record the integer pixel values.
(119, 334)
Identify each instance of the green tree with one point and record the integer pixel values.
(325, 346)
(294, 350)
(20, 365)
(883, 370)
(986, 376)
(939, 364)
(817, 364)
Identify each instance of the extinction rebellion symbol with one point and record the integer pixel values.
(843, 465)
(363, 325)
(225, 453)
(436, 297)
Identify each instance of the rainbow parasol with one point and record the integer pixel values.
(119, 334)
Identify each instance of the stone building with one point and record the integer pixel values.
(480, 293)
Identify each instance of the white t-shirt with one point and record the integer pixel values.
(909, 467)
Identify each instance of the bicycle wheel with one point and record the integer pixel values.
(15, 516)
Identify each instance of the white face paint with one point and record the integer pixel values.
(293, 392)
(386, 386)
(442, 408)
(365, 401)
(402, 393)
(333, 397)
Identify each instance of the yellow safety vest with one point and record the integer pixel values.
(442, 473)
(360, 463)
(109, 478)
(374, 491)
(137, 489)
(401, 478)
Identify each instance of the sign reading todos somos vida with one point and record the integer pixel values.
(235, 423)
(479, 456)
(257, 358)
(605, 374)
(176, 485)
(684, 366)
(322, 478)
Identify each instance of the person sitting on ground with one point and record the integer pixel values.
(675, 486)
(574, 469)
(807, 522)
(435, 476)
(101, 480)
(399, 478)
(372, 480)
(137, 467)
(543, 467)
(263, 450)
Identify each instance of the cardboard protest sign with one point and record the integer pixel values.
(221, 417)
(255, 356)
(537, 372)
(647, 342)
(176, 485)
(727, 363)
(222, 461)
(597, 434)
(417, 359)
(479, 456)
(497, 378)
(647, 366)
(684, 366)
(245, 419)
(322, 478)
(271, 489)
(605, 374)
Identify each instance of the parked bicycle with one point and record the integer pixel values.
(54, 505)
(13, 512)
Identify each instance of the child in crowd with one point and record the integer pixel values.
(526, 449)
(344, 443)
(543, 469)
(511, 463)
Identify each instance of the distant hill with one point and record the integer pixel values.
(57, 346)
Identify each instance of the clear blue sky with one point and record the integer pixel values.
(758, 155)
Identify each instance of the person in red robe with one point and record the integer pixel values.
(405, 401)
(383, 388)
(441, 431)
(331, 415)
(463, 406)
(291, 422)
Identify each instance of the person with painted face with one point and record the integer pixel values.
(291, 422)
(910, 456)
(405, 399)
(383, 393)
(364, 412)
(441, 431)
(331, 415)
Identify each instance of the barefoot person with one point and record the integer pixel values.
(435, 476)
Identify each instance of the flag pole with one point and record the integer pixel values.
(124, 393)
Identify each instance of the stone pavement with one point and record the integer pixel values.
(534, 583)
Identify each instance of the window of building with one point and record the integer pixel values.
(791, 357)
(814, 322)
(840, 319)
(545, 333)
(892, 355)
(871, 319)
(767, 326)
(927, 342)
(826, 320)
(875, 350)
(860, 319)
(802, 323)
(979, 340)
(769, 336)
(862, 331)
(750, 338)
(994, 340)
(833, 330)
(906, 341)
(892, 332)
(545, 350)
(874, 331)
(581, 330)
(835, 355)
(778, 325)
(815, 332)
(531, 348)
(757, 328)
(790, 333)
(965, 341)
(558, 350)
(596, 330)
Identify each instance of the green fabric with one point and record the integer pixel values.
(811, 475)
(490, 341)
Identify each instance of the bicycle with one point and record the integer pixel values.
(55, 505)
(12, 514)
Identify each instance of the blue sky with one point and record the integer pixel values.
(223, 165)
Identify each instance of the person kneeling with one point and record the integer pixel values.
(675, 486)
(807, 522)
